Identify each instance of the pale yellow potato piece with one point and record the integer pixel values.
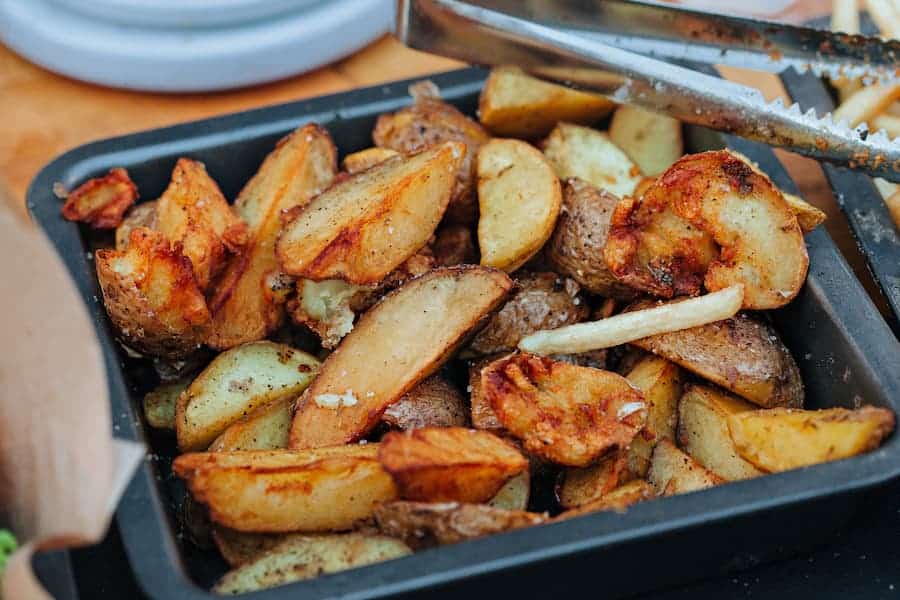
(619, 499)
(159, 404)
(265, 428)
(578, 486)
(660, 382)
(653, 141)
(519, 198)
(890, 124)
(366, 159)
(514, 494)
(780, 439)
(865, 104)
(674, 472)
(240, 547)
(893, 204)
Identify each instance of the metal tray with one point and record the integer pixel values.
(845, 351)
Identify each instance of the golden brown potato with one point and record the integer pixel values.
(240, 547)
(780, 439)
(653, 141)
(618, 500)
(101, 202)
(660, 382)
(483, 415)
(430, 122)
(674, 472)
(565, 414)
(584, 485)
(519, 197)
(247, 299)
(539, 301)
(364, 227)
(515, 104)
(703, 431)
(263, 428)
(514, 494)
(151, 296)
(193, 211)
(272, 491)
(667, 242)
(454, 245)
(298, 558)
(141, 215)
(440, 464)
(159, 404)
(394, 346)
(235, 383)
(576, 151)
(435, 402)
(741, 354)
(366, 159)
(423, 524)
(808, 216)
(576, 247)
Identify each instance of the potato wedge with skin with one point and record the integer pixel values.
(780, 439)
(618, 500)
(576, 151)
(514, 494)
(306, 557)
(741, 354)
(584, 485)
(539, 301)
(455, 245)
(264, 428)
(151, 297)
(394, 346)
(141, 215)
(193, 211)
(247, 299)
(159, 404)
(565, 414)
(441, 464)
(483, 415)
(240, 547)
(424, 524)
(703, 431)
(576, 247)
(364, 227)
(519, 197)
(435, 402)
(653, 141)
(674, 472)
(273, 491)
(430, 122)
(101, 202)
(234, 384)
(660, 382)
(515, 104)
(366, 159)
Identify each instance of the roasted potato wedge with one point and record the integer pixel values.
(234, 384)
(703, 431)
(483, 415)
(266, 427)
(780, 439)
(441, 464)
(455, 245)
(101, 202)
(576, 151)
(618, 499)
(674, 472)
(141, 215)
(435, 402)
(364, 227)
(193, 211)
(539, 301)
(519, 198)
(307, 557)
(742, 354)
(431, 122)
(653, 141)
(565, 414)
(808, 216)
(660, 382)
(585, 485)
(247, 299)
(159, 404)
(576, 247)
(514, 494)
(366, 159)
(515, 104)
(240, 547)
(394, 346)
(423, 524)
(151, 296)
(273, 491)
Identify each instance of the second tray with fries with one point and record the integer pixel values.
(845, 351)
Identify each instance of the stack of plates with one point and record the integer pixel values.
(189, 45)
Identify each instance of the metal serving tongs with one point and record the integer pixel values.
(601, 46)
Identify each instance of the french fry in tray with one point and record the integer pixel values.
(602, 354)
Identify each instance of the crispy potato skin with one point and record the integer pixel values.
(423, 524)
(440, 464)
(455, 245)
(430, 122)
(566, 414)
(151, 296)
(667, 242)
(576, 247)
(245, 301)
(193, 211)
(394, 346)
(618, 500)
(539, 301)
(101, 202)
(435, 402)
(741, 354)
(483, 415)
(141, 215)
(674, 472)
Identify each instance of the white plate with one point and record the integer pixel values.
(190, 59)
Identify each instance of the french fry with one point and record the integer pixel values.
(865, 104)
(886, 15)
(893, 204)
(845, 16)
(627, 327)
(886, 188)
